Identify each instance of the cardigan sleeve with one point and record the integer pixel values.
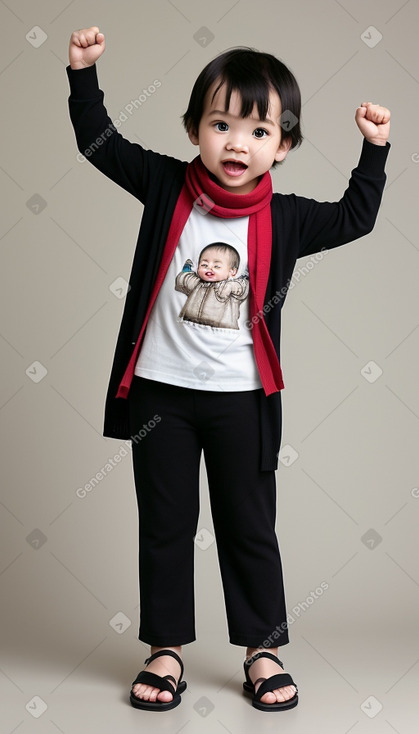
(330, 224)
(126, 163)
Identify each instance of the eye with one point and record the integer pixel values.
(222, 127)
(260, 132)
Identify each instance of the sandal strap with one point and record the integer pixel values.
(171, 677)
(249, 662)
(263, 654)
(157, 681)
(275, 681)
(167, 652)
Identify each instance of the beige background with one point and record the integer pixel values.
(348, 497)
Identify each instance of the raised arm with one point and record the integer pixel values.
(126, 163)
(330, 224)
(324, 225)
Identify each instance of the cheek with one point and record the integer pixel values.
(210, 140)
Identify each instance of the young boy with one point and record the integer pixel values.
(213, 393)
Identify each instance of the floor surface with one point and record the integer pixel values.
(362, 686)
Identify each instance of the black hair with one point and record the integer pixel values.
(253, 75)
(226, 249)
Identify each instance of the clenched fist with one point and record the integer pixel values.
(85, 47)
(373, 122)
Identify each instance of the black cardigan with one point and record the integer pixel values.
(300, 227)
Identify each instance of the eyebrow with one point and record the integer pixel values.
(223, 113)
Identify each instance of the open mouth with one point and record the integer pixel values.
(234, 168)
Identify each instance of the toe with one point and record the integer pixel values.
(268, 697)
(145, 693)
(153, 694)
(165, 696)
(285, 693)
(137, 691)
(281, 695)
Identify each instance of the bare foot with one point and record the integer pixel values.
(163, 665)
(263, 668)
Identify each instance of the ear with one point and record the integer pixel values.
(283, 149)
(193, 137)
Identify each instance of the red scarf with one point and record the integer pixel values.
(201, 192)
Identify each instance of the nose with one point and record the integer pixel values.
(236, 142)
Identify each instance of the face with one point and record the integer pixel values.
(237, 150)
(214, 266)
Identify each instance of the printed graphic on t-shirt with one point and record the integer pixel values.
(214, 294)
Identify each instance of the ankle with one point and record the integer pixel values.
(250, 651)
(175, 648)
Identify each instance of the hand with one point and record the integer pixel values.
(373, 122)
(85, 48)
(187, 268)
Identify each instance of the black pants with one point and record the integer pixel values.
(171, 426)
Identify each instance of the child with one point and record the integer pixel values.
(213, 391)
(214, 293)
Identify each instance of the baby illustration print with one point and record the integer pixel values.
(213, 292)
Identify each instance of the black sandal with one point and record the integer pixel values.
(269, 684)
(162, 682)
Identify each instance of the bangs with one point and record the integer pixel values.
(251, 94)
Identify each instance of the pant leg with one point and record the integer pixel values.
(166, 471)
(243, 504)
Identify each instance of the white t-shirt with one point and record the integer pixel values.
(196, 335)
